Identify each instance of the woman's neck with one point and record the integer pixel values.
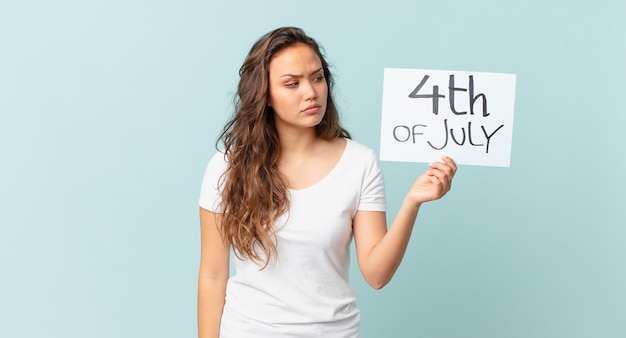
(298, 142)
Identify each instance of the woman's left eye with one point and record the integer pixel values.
(319, 78)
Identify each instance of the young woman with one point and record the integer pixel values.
(287, 194)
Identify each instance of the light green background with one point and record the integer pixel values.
(109, 114)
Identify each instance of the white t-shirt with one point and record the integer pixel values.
(305, 292)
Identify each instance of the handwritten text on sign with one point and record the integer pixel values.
(465, 115)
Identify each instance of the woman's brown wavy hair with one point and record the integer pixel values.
(254, 194)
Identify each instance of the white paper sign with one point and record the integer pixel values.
(465, 115)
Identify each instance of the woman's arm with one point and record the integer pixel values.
(213, 275)
(379, 252)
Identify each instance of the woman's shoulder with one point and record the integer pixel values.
(217, 164)
(358, 148)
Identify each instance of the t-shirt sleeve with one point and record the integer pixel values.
(373, 187)
(210, 192)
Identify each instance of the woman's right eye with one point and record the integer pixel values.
(291, 84)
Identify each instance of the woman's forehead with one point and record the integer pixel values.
(295, 60)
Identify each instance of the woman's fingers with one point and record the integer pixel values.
(444, 172)
(450, 162)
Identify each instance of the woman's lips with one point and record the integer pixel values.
(312, 109)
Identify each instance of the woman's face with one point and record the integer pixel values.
(297, 88)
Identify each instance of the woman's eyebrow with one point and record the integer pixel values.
(300, 75)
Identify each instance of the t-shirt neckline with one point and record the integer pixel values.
(329, 174)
